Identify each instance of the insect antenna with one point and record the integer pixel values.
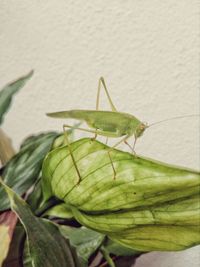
(173, 118)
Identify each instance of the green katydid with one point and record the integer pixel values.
(106, 123)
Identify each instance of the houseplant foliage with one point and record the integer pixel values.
(49, 219)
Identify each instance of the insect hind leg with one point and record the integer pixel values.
(102, 82)
(69, 146)
(133, 148)
(113, 108)
(71, 152)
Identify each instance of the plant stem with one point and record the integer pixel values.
(107, 257)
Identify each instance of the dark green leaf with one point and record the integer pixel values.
(35, 197)
(23, 169)
(119, 250)
(60, 211)
(27, 259)
(46, 245)
(85, 241)
(149, 206)
(8, 91)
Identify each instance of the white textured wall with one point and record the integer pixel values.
(146, 50)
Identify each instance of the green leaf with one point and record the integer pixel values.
(27, 259)
(23, 169)
(8, 91)
(60, 211)
(119, 250)
(34, 199)
(46, 245)
(85, 241)
(149, 206)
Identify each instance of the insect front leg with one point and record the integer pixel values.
(133, 148)
(128, 145)
(124, 139)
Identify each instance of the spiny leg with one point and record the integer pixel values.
(71, 153)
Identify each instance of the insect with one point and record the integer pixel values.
(106, 123)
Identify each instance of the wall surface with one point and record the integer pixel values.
(148, 52)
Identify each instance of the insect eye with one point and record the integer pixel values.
(143, 126)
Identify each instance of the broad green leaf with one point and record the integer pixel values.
(85, 241)
(119, 250)
(8, 91)
(149, 206)
(35, 197)
(27, 262)
(60, 211)
(27, 259)
(46, 245)
(8, 221)
(23, 169)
